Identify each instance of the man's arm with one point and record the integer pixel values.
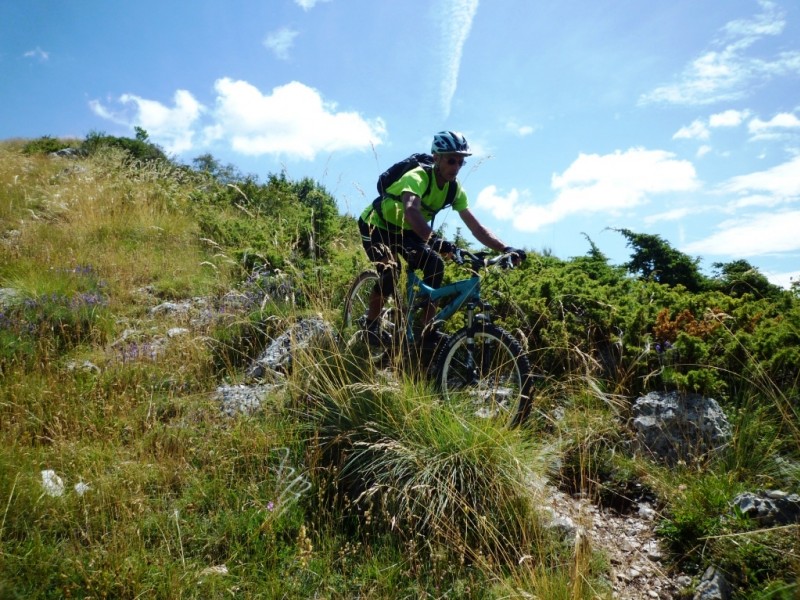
(483, 235)
(413, 214)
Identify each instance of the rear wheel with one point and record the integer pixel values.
(488, 373)
(354, 318)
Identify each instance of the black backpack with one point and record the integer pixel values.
(398, 169)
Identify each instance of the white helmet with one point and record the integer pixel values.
(450, 142)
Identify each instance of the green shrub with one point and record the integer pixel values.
(694, 516)
(47, 145)
(138, 149)
(396, 461)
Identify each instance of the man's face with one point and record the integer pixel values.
(449, 165)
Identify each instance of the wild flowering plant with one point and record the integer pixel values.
(61, 317)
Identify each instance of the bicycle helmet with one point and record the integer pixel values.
(450, 142)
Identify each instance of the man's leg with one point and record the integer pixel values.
(378, 296)
(421, 256)
(377, 245)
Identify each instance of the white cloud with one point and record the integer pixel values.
(781, 121)
(703, 150)
(481, 151)
(501, 207)
(101, 111)
(725, 72)
(38, 54)
(635, 172)
(728, 118)
(280, 41)
(293, 120)
(307, 5)
(783, 280)
(767, 23)
(696, 131)
(520, 130)
(756, 235)
(595, 184)
(758, 200)
(699, 129)
(676, 214)
(456, 27)
(171, 127)
(781, 181)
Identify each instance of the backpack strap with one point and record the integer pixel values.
(429, 171)
(451, 195)
(452, 190)
(377, 204)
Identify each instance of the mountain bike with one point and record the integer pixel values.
(479, 364)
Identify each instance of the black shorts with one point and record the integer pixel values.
(384, 246)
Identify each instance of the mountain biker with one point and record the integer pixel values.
(402, 229)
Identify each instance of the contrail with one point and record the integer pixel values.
(455, 33)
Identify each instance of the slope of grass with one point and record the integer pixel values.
(339, 487)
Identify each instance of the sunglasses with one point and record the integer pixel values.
(456, 161)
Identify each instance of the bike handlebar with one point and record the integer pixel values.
(481, 260)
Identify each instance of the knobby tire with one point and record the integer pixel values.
(493, 379)
(356, 303)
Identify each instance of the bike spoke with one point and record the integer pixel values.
(489, 376)
(355, 318)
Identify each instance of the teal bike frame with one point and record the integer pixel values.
(463, 292)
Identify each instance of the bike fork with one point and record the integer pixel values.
(471, 365)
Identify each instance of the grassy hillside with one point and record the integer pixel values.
(132, 287)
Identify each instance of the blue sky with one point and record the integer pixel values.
(677, 118)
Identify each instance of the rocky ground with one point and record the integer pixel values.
(628, 541)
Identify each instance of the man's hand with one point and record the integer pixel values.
(442, 246)
(520, 254)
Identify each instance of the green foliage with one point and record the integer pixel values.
(654, 259)
(139, 148)
(407, 497)
(636, 335)
(274, 224)
(701, 527)
(47, 145)
(206, 163)
(451, 491)
(141, 134)
(694, 517)
(68, 309)
(754, 560)
(316, 209)
(740, 277)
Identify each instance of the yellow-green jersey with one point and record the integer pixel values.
(415, 181)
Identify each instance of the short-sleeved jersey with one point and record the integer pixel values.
(416, 182)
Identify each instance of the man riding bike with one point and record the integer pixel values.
(400, 228)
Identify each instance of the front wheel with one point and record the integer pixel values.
(488, 372)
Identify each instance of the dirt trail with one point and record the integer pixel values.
(629, 542)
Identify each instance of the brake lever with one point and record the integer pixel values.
(458, 257)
